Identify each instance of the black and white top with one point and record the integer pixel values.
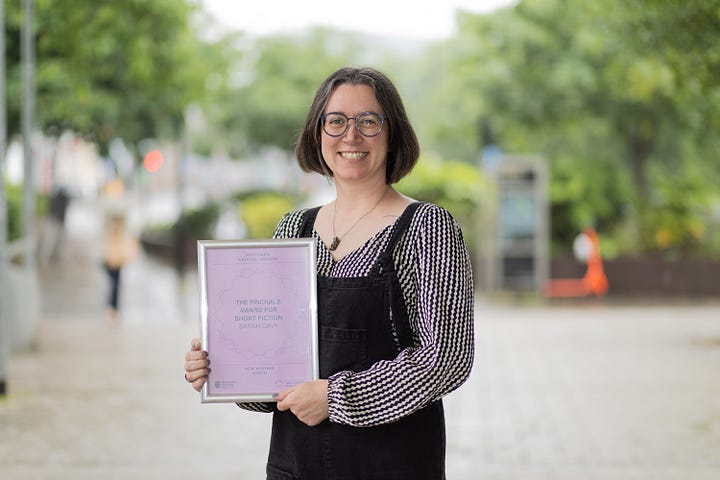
(433, 268)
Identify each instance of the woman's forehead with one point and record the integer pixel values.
(354, 98)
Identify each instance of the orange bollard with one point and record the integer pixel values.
(595, 278)
(593, 282)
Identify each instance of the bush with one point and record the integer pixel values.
(675, 223)
(14, 197)
(14, 211)
(455, 186)
(199, 223)
(582, 196)
(261, 211)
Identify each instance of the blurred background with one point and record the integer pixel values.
(575, 142)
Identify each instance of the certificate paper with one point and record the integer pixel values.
(258, 317)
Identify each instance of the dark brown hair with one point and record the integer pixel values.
(403, 147)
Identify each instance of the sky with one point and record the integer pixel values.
(417, 19)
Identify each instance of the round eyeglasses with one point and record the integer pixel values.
(368, 124)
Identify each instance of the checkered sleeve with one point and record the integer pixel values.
(435, 276)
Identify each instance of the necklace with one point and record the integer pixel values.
(336, 238)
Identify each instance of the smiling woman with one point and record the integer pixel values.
(435, 20)
(394, 300)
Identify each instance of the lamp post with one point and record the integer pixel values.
(4, 320)
(28, 106)
(8, 302)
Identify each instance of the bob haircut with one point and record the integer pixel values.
(403, 147)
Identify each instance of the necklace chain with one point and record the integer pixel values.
(336, 238)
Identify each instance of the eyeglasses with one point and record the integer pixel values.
(368, 124)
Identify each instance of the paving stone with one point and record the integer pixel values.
(559, 392)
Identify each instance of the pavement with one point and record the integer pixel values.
(584, 390)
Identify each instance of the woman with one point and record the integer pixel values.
(391, 271)
(119, 248)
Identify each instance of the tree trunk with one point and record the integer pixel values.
(639, 150)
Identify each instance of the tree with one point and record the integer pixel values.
(109, 69)
(278, 79)
(603, 89)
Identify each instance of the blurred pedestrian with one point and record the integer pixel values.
(54, 227)
(395, 301)
(119, 248)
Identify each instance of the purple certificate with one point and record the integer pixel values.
(258, 317)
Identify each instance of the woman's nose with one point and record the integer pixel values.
(352, 131)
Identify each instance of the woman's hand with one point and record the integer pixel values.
(197, 365)
(308, 401)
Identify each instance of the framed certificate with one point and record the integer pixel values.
(258, 317)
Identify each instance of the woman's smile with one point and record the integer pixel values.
(353, 155)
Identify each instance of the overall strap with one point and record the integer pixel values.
(308, 220)
(386, 265)
(385, 262)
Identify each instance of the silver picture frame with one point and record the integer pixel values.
(258, 317)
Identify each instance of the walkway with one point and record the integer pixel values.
(573, 392)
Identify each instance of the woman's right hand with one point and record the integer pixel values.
(197, 365)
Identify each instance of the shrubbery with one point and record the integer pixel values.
(261, 211)
(456, 186)
(199, 223)
(14, 198)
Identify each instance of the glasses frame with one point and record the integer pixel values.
(347, 123)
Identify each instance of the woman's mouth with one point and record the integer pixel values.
(353, 155)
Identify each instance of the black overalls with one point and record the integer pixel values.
(356, 317)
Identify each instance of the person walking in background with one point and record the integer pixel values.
(54, 227)
(119, 248)
(395, 301)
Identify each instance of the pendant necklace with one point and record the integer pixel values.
(336, 238)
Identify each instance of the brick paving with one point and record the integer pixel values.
(594, 391)
(606, 392)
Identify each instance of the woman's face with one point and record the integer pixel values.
(353, 157)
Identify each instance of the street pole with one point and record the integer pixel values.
(4, 287)
(28, 107)
(180, 234)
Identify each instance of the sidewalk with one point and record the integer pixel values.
(607, 392)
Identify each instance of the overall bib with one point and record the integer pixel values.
(356, 317)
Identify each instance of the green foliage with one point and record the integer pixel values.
(14, 211)
(604, 90)
(14, 200)
(675, 220)
(456, 186)
(271, 108)
(262, 211)
(584, 194)
(620, 97)
(109, 69)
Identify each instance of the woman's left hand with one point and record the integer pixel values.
(308, 401)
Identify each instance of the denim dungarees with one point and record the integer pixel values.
(356, 317)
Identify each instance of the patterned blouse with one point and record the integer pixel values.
(435, 276)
